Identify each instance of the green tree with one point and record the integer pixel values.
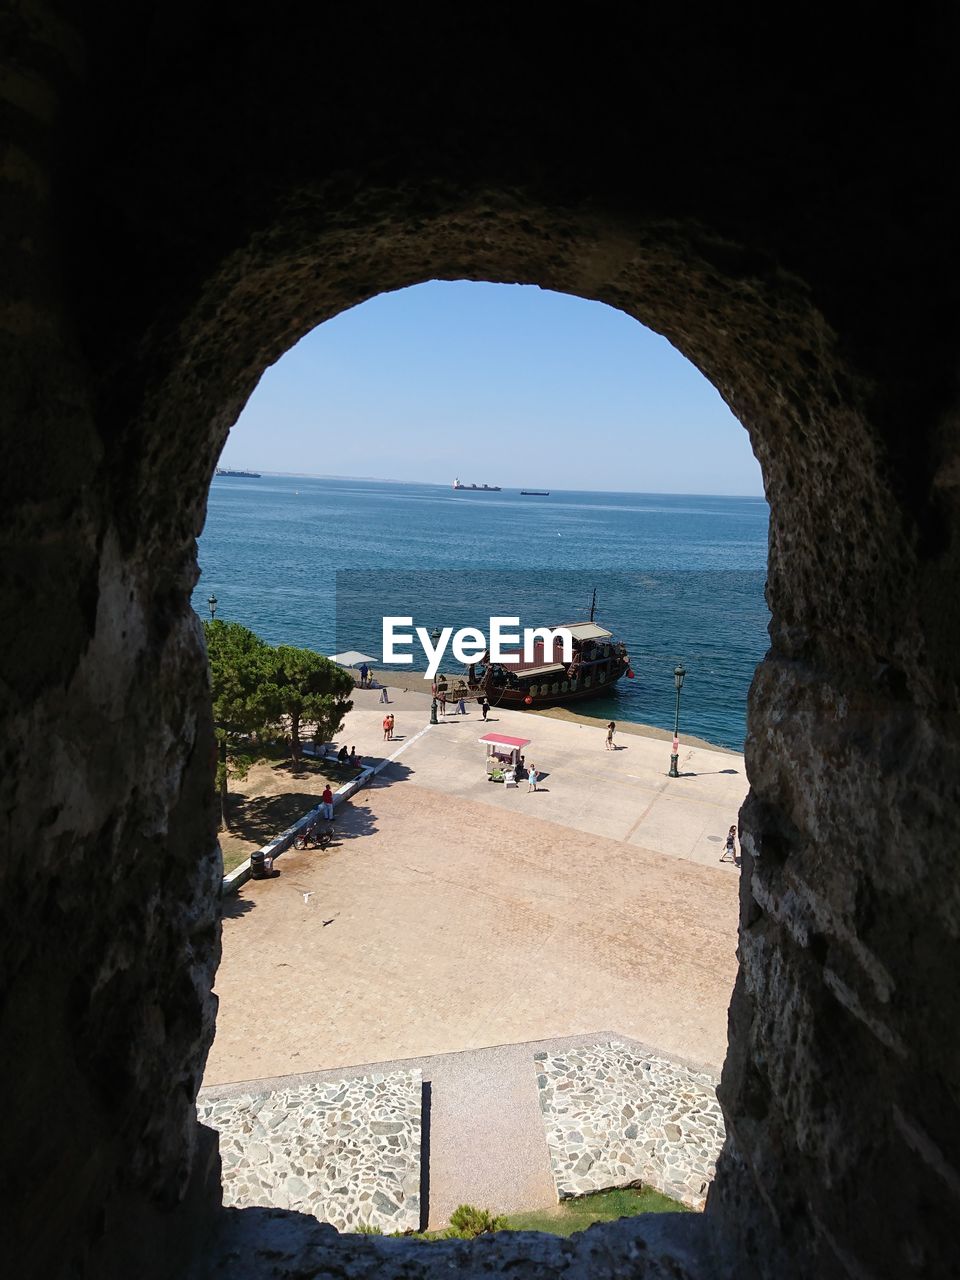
(245, 701)
(310, 687)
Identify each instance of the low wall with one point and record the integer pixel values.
(279, 844)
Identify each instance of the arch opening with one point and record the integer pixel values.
(754, 333)
(501, 921)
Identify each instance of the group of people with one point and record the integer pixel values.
(519, 769)
(349, 757)
(440, 693)
(461, 709)
(367, 681)
(388, 725)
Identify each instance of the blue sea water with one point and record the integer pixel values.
(318, 562)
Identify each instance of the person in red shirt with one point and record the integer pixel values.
(327, 803)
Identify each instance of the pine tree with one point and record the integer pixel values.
(245, 699)
(310, 687)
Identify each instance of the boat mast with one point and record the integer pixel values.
(593, 604)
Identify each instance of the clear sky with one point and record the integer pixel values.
(497, 384)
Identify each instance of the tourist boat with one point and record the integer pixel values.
(477, 488)
(599, 661)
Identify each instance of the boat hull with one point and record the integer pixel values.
(515, 699)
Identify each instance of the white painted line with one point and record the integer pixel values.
(408, 742)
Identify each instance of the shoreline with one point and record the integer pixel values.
(414, 682)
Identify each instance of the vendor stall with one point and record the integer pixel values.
(504, 757)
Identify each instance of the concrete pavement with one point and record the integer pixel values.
(623, 794)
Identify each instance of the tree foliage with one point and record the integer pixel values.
(310, 687)
(260, 692)
(245, 701)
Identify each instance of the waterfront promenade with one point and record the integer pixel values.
(455, 914)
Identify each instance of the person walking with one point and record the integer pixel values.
(326, 806)
(484, 707)
(532, 777)
(461, 707)
(730, 848)
(392, 723)
(611, 730)
(442, 701)
(386, 727)
(364, 671)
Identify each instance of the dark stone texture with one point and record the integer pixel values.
(272, 1244)
(187, 191)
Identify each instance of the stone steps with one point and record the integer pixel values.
(509, 1128)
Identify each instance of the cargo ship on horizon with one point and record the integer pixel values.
(478, 488)
(246, 475)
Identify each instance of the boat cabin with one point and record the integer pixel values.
(598, 661)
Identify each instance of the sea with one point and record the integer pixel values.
(679, 578)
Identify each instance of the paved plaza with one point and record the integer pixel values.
(623, 794)
(454, 914)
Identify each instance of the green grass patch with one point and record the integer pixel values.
(233, 858)
(606, 1206)
(467, 1223)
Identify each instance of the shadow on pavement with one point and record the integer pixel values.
(234, 907)
(426, 1099)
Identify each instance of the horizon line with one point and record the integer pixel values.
(436, 484)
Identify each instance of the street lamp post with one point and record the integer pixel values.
(212, 606)
(678, 674)
(434, 636)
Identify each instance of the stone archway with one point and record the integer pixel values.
(191, 197)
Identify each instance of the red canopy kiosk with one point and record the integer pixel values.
(503, 755)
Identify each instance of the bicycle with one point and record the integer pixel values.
(314, 838)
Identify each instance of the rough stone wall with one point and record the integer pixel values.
(195, 189)
(109, 871)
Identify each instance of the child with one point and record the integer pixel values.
(730, 848)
